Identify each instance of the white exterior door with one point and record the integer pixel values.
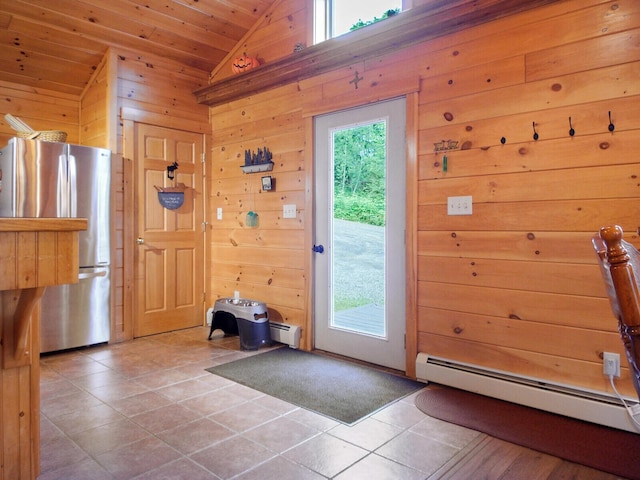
(359, 264)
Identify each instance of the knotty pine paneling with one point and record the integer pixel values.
(568, 310)
(40, 109)
(611, 50)
(547, 277)
(551, 339)
(555, 247)
(588, 182)
(555, 154)
(607, 83)
(520, 273)
(485, 134)
(282, 26)
(535, 216)
(268, 262)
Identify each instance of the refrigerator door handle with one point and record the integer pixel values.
(62, 188)
(84, 276)
(73, 188)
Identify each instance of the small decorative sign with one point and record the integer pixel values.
(445, 146)
(171, 200)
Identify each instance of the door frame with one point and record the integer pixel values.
(411, 227)
(129, 118)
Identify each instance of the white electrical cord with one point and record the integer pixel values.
(633, 411)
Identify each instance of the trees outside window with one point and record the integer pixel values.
(335, 17)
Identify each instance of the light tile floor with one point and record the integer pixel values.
(147, 409)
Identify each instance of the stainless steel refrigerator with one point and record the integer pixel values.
(49, 179)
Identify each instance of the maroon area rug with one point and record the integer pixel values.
(603, 448)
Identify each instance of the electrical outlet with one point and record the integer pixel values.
(611, 364)
(460, 205)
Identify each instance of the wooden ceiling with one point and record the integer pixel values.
(57, 44)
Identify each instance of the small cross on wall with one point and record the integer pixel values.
(356, 79)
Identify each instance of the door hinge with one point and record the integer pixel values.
(204, 297)
(204, 226)
(203, 157)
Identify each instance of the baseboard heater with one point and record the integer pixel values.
(285, 333)
(591, 406)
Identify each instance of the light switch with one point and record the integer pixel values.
(219, 213)
(460, 205)
(288, 211)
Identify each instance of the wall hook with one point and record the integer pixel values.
(612, 127)
(535, 134)
(503, 140)
(572, 132)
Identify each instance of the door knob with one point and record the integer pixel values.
(140, 240)
(318, 248)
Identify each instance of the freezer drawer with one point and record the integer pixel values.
(77, 315)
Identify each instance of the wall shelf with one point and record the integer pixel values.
(258, 167)
(422, 23)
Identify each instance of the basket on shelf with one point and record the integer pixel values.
(25, 131)
(44, 135)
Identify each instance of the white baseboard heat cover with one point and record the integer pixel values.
(591, 406)
(285, 333)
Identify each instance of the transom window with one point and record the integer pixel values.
(336, 17)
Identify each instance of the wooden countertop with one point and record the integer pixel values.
(42, 224)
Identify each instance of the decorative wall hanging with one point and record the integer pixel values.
(252, 218)
(268, 184)
(257, 162)
(244, 63)
(171, 169)
(171, 198)
(445, 146)
(356, 79)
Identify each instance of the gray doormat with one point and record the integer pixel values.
(338, 389)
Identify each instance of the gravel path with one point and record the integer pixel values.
(359, 269)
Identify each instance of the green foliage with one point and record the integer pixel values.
(359, 208)
(387, 14)
(359, 173)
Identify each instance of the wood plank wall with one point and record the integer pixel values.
(515, 286)
(41, 109)
(155, 91)
(282, 27)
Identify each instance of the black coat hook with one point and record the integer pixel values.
(572, 132)
(612, 127)
(503, 140)
(535, 134)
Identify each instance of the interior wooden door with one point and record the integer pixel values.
(170, 242)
